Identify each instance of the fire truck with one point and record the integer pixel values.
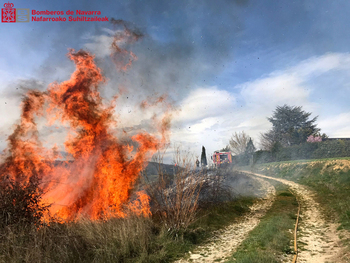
(221, 159)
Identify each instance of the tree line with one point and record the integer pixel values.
(294, 135)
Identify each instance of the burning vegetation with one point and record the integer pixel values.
(97, 183)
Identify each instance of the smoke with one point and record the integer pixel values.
(174, 61)
(175, 51)
(175, 48)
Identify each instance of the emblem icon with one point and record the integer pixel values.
(22, 15)
(8, 14)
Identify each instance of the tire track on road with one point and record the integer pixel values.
(319, 240)
(225, 242)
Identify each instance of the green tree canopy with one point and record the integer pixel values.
(226, 149)
(291, 125)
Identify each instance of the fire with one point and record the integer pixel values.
(122, 57)
(98, 182)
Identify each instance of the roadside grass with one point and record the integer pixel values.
(329, 178)
(305, 161)
(208, 220)
(273, 237)
(132, 239)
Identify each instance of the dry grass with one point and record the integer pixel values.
(116, 240)
(185, 211)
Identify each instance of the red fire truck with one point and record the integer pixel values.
(222, 159)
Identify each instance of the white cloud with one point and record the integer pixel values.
(322, 64)
(273, 90)
(214, 114)
(336, 126)
(203, 103)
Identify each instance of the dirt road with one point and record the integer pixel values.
(317, 240)
(225, 242)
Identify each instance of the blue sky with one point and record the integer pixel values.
(226, 64)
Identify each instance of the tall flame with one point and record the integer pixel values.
(98, 181)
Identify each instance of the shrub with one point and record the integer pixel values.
(314, 150)
(262, 157)
(330, 149)
(313, 138)
(21, 203)
(174, 198)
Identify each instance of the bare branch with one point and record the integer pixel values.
(238, 142)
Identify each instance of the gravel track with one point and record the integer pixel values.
(225, 242)
(317, 239)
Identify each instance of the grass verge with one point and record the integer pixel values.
(133, 239)
(329, 178)
(273, 237)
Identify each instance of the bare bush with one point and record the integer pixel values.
(215, 189)
(177, 196)
(174, 197)
(238, 142)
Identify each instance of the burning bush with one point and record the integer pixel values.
(21, 204)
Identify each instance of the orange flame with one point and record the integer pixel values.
(98, 182)
(121, 56)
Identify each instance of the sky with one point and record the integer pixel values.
(225, 65)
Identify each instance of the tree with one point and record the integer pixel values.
(250, 149)
(267, 140)
(238, 142)
(203, 157)
(291, 126)
(225, 149)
